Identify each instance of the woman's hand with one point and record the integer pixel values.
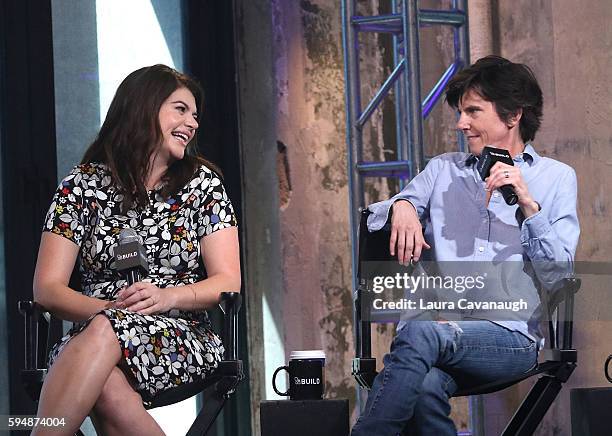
(145, 298)
(503, 174)
(406, 233)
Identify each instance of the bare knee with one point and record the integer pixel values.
(100, 332)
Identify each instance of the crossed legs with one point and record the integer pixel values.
(85, 376)
(427, 362)
(119, 410)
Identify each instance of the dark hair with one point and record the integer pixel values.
(131, 134)
(509, 86)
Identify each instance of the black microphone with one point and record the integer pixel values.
(131, 257)
(488, 157)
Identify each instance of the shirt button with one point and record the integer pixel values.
(481, 249)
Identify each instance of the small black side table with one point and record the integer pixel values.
(304, 418)
(591, 411)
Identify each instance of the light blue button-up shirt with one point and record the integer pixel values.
(450, 199)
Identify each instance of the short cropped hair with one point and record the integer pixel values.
(508, 85)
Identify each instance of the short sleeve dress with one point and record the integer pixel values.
(160, 351)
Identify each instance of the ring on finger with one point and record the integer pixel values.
(506, 174)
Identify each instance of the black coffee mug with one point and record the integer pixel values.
(608, 360)
(306, 375)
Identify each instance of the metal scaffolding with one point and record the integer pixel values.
(403, 24)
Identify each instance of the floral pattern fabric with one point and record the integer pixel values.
(165, 350)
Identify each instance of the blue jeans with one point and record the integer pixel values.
(428, 362)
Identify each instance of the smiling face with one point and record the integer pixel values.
(482, 126)
(178, 122)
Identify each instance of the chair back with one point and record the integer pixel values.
(373, 247)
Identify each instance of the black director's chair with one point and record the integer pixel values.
(215, 388)
(559, 358)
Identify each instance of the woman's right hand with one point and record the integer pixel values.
(406, 233)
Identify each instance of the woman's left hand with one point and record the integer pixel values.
(144, 298)
(503, 174)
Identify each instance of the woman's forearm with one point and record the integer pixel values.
(68, 304)
(205, 293)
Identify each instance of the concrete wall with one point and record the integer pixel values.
(314, 210)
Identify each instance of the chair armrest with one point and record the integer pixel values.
(230, 303)
(556, 355)
(563, 290)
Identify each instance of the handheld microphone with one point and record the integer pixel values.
(488, 157)
(131, 257)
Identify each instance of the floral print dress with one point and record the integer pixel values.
(160, 351)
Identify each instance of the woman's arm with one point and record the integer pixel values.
(221, 255)
(56, 258)
(550, 236)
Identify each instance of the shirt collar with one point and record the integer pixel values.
(529, 155)
(471, 159)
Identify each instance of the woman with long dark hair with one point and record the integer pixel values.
(131, 342)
